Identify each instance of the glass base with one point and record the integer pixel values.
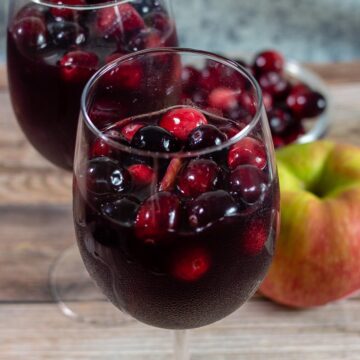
(77, 295)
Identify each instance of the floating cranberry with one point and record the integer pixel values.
(78, 66)
(125, 76)
(247, 183)
(280, 121)
(30, 34)
(145, 39)
(197, 177)
(180, 122)
(306, 104)
(247, 151)
(129, 130)
(66, 34)
(155, 138)
(268, 61)
(255, 236)
(205, 136)
(105, 176)
(119, 20)
(142, 174)
(106, 111)
(223, 98)
(274, 84)
(190, 77)
(100, 148)
(122, 211)
(211, 207)
(190, 264)
(158, 216)
(62, 12)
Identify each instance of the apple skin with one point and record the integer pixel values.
(317, 259)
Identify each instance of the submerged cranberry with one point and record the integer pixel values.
(157, 218)
(122, 211)
(268, 101)
(63, 12)
(280, 121)
(155, 138)
(205, 136)
(119, 20)
(255, 237)
(128, 131)
(142, 174)
(30, 34)
(247, 183)
(30, 10)
(247, 151)
(197, 177)
(247, 102)
(78, 65)
(223, 98)
(268, 61)
(190, 264)
(159, 21)
(100, 148)
(306, 104)
(211, 207)
(189, 77)
(66, 33)
(180, 122)
(274, 84)
(105, 176)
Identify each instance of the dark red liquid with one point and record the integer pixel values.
(149, 277)
(47, 105)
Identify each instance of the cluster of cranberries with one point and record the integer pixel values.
(116, 30)
(287, 104)
(160, 201)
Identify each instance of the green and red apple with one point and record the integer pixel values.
(317, 259)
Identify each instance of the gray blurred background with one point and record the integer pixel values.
(306, 30)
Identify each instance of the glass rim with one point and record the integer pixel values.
(106, 4)
(180, 154)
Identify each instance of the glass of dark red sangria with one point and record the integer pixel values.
(53, 49)
(176, 206)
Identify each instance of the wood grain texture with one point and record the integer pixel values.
(36, 225)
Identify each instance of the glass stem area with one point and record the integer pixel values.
(181, 345)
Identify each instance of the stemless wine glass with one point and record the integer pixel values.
(176, 207)
(53, 49)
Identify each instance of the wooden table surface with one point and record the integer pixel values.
(36, 225)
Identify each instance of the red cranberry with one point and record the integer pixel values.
(299, 89)
(255, 237)
(155, 138)
(142, 174)
(158, 216)
(278, 141)
(124, 76)
(293, 133)
(129, 130)
(66, 33)
(63, 12)
(159, 21)
(274, 84)
(180, 122)
(105, 112)
(190, 264)
(100, 148)
(268, 61)
(205, 136)
(105, 176)
(122, 211)
(78, 66)
(145, 39)
(247, 102)
(198, 177)
(306, 104)
(224, 76)
(247, 183)
(280, 121)
(247, 151)
(117, 20)
(231, 129)
(211, 207)
(223, 98)
(190, 78)
(148, 6)
(30, 34)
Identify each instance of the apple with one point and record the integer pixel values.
(317, 259)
